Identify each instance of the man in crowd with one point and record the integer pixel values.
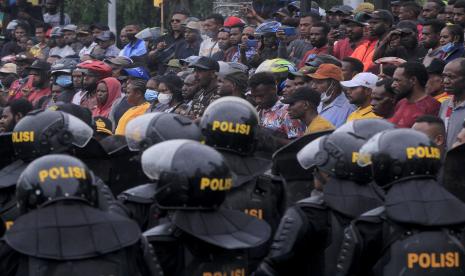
(358, 92)
(52, 16)
(226, 51)
(191, 44)
(168, 44)
(459, 13)
(379, 24)
(41, 49)
(84, 36)
(233, 84)
(205, 70)
(383, 99)
(430, 39)
(334, 105)
(212, 26)
(136, 47)
(12, 47)
(71, 37)
(12, 113)
(61, 49)
(106, 43)
(319, 40)
(273, 114)
(303, 104)
(351, 67)
(432, 126)
(453, 110)
(434, 87)
(297, 48)
(409, 83)
(431, 9)
(355, 37)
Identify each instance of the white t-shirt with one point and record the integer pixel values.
(54, 19)
(208, 47)
(87, 50)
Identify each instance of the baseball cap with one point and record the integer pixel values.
(70, 27)
(119, 60)
(194, 25)
(39, 65)
(205, 63)
(311, 96)
(359, 19)
(342, 9)
(84, 30)
(304, 71)
(327, 71)
(9, 68)
(436, 66)
(367, 80)
(284, 12)
(106, 36)
(138, 73)
(233, 21)
(384, 15)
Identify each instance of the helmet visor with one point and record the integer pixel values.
(82, 133)
(136, 130)
(367, 150)
(307, 156)
(158, 158)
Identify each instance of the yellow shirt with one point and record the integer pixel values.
(132, 113)
(319, 124)
(362, 113)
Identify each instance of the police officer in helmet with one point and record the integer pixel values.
(418, 230)
(309, 235)
(230, 125)
(198, 238)
(38, 134)
(62, 231)
(141, 133)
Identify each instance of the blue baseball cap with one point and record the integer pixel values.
(137, 72)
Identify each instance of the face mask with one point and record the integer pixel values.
(151, 95)
(446, 48)
(326, 96)
(64, 80)
(164, 98)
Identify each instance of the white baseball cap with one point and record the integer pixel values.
(368, 80)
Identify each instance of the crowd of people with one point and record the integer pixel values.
(276, 142)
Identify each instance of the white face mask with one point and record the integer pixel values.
(326, 96)
(164, 98)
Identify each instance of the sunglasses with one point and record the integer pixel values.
(175, 20)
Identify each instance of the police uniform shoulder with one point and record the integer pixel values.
(141, 194)
(162, 233)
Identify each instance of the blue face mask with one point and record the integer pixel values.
(64, 80)
(151, 95)
(446, 48)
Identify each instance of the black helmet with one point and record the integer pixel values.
(400, 153)
(365, 128)
(153, 128)
(45, 132)
(189, 175)
(52, 178)
(337, 155)
(230, 123)
(64, 65)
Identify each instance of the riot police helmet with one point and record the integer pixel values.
(45, 132)
(150, 129)
(365, 128)
(189, 175)
(231, 124)
(52, 178)
(336, 154)
(398, 154)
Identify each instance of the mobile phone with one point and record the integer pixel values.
(252, 43)
(289, 31)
